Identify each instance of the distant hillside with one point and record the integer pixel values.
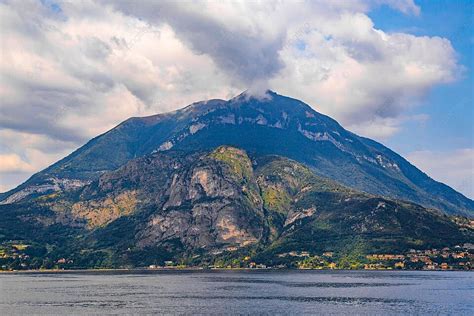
(204, 206)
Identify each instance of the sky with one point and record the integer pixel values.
(397, 71)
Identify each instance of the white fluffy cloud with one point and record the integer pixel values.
(72, 70)
(13, 163)
(362, 76)
(455, 168)
(22, 154)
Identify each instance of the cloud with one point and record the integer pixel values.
(407, 7)
(243, 39)
(22, 154)
(13, 163)
(72, 70)
(455, 168)
(362, 76)
(236, 40)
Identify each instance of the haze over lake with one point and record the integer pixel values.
(238, 292)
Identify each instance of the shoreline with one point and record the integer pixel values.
(193, 269)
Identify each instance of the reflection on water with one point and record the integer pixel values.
(238, 292)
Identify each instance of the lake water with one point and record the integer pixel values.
(238, 292)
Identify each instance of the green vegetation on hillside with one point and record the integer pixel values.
(242, 213)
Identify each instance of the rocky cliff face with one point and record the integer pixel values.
(213, 204)
(201, 201)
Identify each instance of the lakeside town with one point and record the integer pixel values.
(15, 257)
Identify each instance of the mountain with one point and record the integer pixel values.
(274, 125)
(213, 207)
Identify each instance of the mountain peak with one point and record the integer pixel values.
(256, 94)
(270, 101)
(266, 100)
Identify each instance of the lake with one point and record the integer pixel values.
(238, 292)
